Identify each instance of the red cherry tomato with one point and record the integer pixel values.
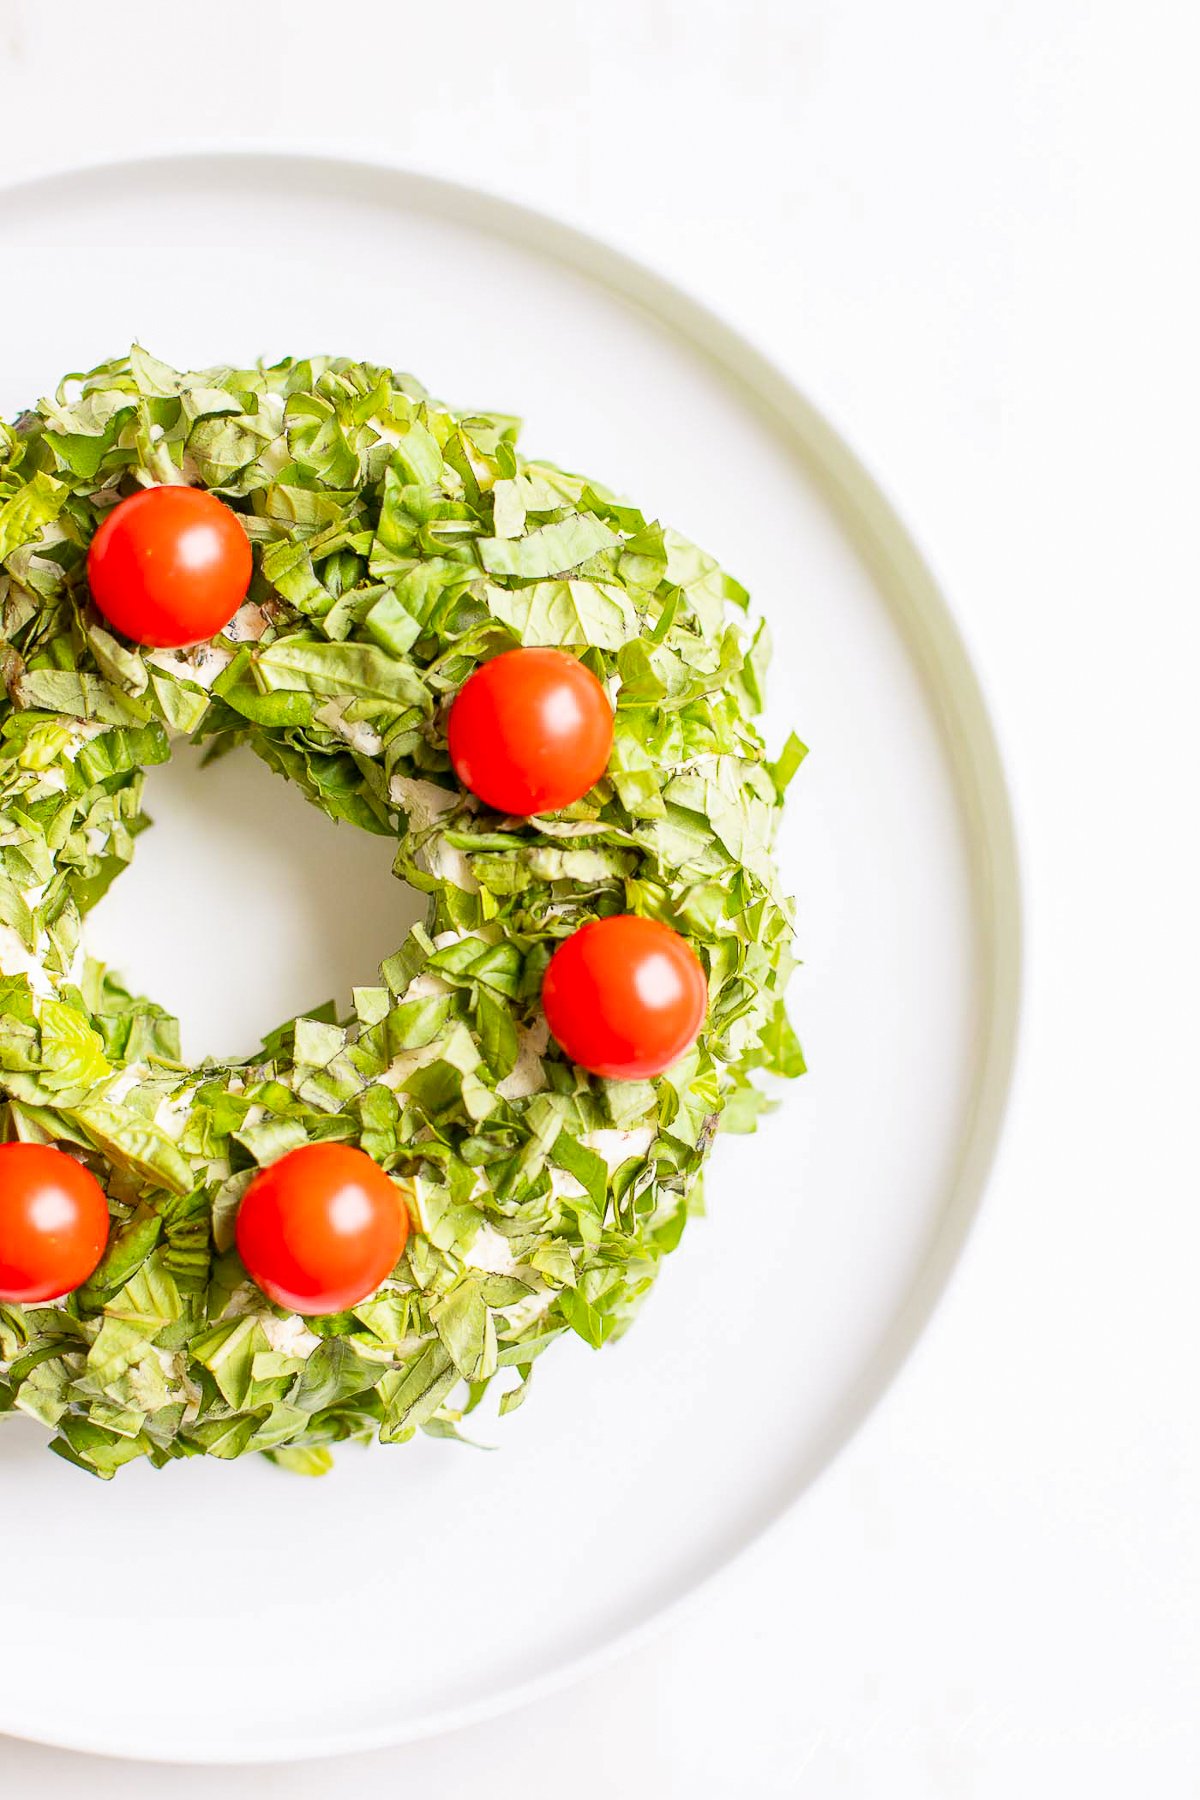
(321, 1228)
(170, 566)
(531, 731)
(53, 1223)
(625, 997)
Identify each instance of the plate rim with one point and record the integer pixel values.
(939, 647)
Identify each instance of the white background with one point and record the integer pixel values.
(968, 228)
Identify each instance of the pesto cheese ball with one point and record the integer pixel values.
(396, 546)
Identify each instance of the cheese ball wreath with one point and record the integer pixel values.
(514, 1195)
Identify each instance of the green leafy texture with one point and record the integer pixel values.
(396, 546)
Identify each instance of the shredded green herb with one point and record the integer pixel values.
(396, 545)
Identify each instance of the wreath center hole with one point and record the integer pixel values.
(245, 904)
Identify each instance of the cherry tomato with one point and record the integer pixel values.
(625, 997)
(531, 731)
(53, 1223)
(321, 1228)
(170, 566)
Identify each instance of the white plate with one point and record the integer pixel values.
(221, 1611)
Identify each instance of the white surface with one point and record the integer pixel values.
(835, 1237)
(966, 229)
